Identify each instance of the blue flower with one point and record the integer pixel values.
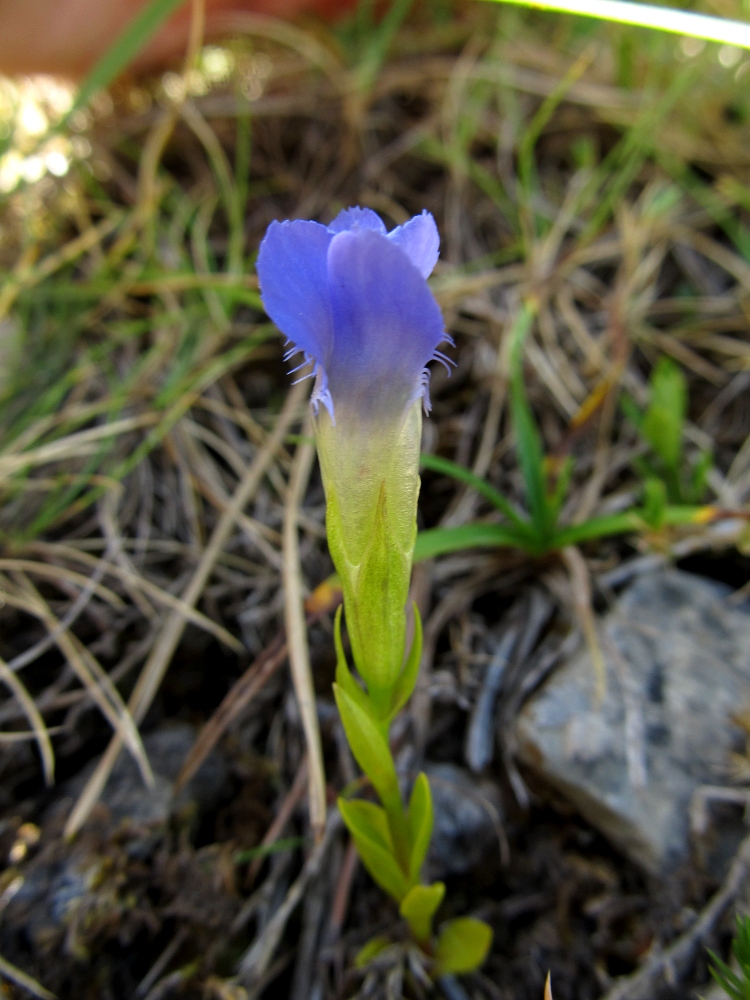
(354, 300)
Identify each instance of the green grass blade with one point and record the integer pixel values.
(439, 541)
(380, 41)
(528, 440)
(673, 516)
(708, 198)
(263, 850)
(455, 471)
(124, 49)
(527, 176)
(676, 515)
(598, 527)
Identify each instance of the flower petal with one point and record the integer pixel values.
(387, 326)
(292, 271)
(420, 241)
(357, 218)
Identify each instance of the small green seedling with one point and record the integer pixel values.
(735, 984)
(538, 531)
(662, 427)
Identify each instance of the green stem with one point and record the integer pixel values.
(394, 808)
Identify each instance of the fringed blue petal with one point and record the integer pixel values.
(357, 218)
(387, 326)
(353, 300)
(420, 241)
(292, 271)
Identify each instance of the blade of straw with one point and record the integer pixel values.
(642, 15)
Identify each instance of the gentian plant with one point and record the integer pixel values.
(354, 300)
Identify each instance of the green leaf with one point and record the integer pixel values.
(560, 493)
(371, 950)
(663, 422)
(700, 476)
(408, 676)
(368, 820)
(736, 987)
(374, 757)
(368, 746)
(462, 946)
(448, 468)
(741, 944)
(368, 825)
(344, 678)
(418, 908)
(630, 408)
(124, 49)
(654, 502)
(598, 527)
(528, 441)
(439, 541)
(420, 818)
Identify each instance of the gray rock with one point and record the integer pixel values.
(678, 666)
(129, 800)
(467, 816)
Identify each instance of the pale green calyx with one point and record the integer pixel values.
(370, 474)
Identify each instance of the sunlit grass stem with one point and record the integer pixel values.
(641, 15)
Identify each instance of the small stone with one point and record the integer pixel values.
(129, 800)
(678, 666)
(127, 797)
(466, 819)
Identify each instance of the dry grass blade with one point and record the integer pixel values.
(93, 677)
(294, 616)
(283, 33)
(166, 643)
(27, 277)
(322, 601)
(340, 902)
(35, 720)
(76, 609)
(282, 817)
(73, 445)
(580, 582)
(61, 573)
(235, 701)
(158, 594)
(257, 959)
(23, 980)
